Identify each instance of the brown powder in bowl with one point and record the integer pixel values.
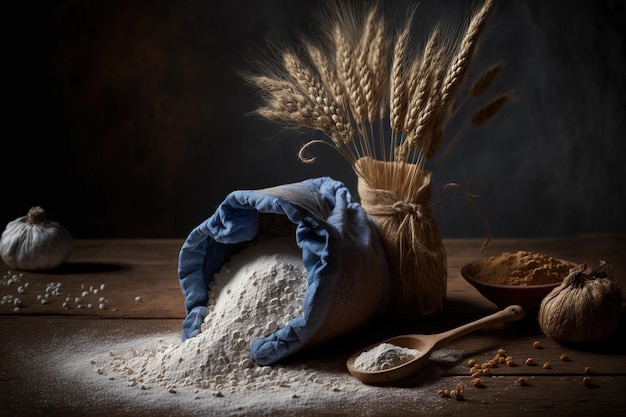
(520, 268)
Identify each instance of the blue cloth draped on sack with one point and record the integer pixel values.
(348, 280)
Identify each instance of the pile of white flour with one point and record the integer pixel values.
(257, 292)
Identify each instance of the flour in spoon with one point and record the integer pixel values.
(384, 356)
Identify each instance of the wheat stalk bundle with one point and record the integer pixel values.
(346, 88)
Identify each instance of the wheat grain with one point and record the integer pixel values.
(302, 76)
(398, 87)
(270, 85)
(485, 80)
(417, 101)
(427, 78)
(326, 113)
(422, 67)
(363, 69)
(347, 74)
(489, 110)
(377, 60)
(327, 73)
(305, 84)
(433, 136)
(282, 101)
(426, 112)
(414, 83)
(458, 69)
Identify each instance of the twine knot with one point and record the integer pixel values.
(402, 207)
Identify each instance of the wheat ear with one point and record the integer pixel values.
(458, 69)
(283, 102)
(489, 110)
(364, 71)
(378, 62)
(398, 87)
(328, 115)
(434, 129)
(327, 74)
(347, 74)
(485, 80)
(425, 77)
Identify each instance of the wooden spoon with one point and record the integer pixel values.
(426, 344)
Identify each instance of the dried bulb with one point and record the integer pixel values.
(584, 308)
(32, 242)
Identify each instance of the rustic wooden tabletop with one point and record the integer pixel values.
(136, 281)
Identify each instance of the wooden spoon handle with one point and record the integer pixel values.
(511, 313)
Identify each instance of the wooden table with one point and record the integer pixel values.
(138, 282)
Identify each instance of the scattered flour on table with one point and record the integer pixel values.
(258, 291)
(76, 373)
(384, 356)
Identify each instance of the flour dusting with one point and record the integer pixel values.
(258, 291)
(310, 385)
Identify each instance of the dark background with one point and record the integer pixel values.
(128, 119)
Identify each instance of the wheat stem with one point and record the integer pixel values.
(451, 145)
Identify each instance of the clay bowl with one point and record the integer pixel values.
(528, 296)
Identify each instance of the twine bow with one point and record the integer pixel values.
(385, 203)
(403, 207)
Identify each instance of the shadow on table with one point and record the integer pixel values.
(87, 268)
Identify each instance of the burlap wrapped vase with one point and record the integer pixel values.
(396, 196)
